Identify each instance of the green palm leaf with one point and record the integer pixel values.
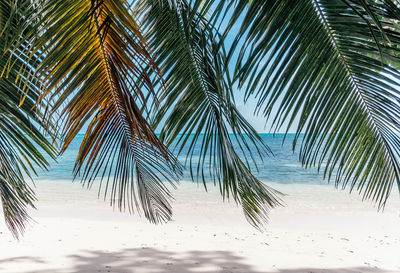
(332, 65)
(20, 119)
(198, 104)
(327, 64)
(94, 65)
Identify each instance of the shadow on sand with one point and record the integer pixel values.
(148, 260)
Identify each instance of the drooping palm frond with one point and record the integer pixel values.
(21, 123)
(199, 106)
(94, 66)
(327, 63)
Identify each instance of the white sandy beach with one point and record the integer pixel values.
(321, 229)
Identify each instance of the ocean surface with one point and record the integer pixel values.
(282, 171)
(282, 167)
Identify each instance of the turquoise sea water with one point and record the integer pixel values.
(282, 167)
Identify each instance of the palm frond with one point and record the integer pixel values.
(329, 64)
(94, 65)
(23, 145)
(198, 105)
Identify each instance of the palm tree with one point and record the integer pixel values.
(126, 68)
(20, 126)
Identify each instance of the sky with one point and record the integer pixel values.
(259, 122)
(245, 108)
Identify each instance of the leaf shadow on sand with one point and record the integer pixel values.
(158, 261)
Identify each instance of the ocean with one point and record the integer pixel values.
(282, 167)
(303, 188)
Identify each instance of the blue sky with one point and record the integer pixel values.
(259, 122)
(247, 108)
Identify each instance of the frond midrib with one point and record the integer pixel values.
(113, 88)
(355, 84)
(197, 77)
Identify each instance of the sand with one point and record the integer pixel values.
(320, 229)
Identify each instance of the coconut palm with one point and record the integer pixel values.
(126, 68)
(22, 129)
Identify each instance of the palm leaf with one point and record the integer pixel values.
(329, 64)
(20, 134)
(198, 105)
(94, 65)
